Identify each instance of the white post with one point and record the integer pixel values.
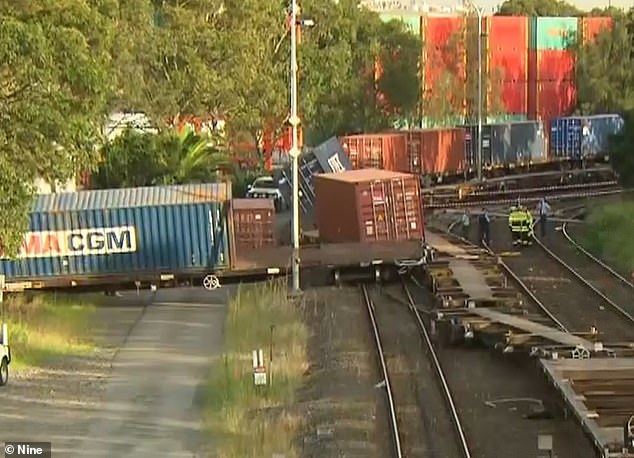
(294, 152)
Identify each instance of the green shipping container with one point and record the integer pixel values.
(556, 33)
(411, 21)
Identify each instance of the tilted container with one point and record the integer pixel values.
(583, 136)
(123, 234)
(368, 206)
(327, 157)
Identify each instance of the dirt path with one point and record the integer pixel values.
(140, 396)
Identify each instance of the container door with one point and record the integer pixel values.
(380, 211)
(404, 207)
(413, 153)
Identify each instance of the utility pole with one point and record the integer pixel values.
(294, 152)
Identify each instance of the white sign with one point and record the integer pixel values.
(259, 370)
(80, 242)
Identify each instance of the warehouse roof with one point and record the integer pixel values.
(132, 197)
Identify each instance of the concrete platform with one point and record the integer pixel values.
(599, 391)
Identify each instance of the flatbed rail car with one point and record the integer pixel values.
(157, 236)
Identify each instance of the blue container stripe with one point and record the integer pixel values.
(134, 197)
(167, 239)
(583, 136)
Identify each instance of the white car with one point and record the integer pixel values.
(267, 187)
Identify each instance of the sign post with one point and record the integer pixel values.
(259, 369)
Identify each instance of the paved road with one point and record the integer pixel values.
(153, 396)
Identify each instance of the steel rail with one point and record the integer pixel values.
(585, 282)
(577, 245)
(388, 386)
(473, 203)
(455, 417)
(537, 189)
(523, 286)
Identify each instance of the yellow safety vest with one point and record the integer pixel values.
(516, 220)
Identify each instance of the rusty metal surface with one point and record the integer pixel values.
(368, 206)
(343, 254)
(600, 391)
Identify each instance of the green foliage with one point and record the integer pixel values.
(609, 234)
(538, 8)
(621, 155)
(142, 159)
(54, 86)
(45, 327)
(245, 421)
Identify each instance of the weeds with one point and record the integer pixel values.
(42, 327)
(244, 421)
(609, 234)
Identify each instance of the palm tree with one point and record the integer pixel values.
(194, 158)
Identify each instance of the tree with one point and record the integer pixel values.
(605, 71)
(537, 8)
(143, 159)
(621, 151)
(54, 86)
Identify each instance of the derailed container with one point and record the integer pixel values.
(508, 144)
(367, 206)
(583, 136)
(436, 151)
(253, 223)
(387, 151)
(124, 234)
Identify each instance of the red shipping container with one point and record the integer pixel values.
(555, 65)
(443, 49)
(591, 26)
(507, 45)
(514, 97)
(253, 223)
(380, 151)
(555, 99)
(368, 206)
(436, 151)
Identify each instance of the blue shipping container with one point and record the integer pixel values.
(583, 136)
(508, 144)
(149, 230)
(328, 157)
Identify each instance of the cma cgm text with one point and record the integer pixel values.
(80, 242)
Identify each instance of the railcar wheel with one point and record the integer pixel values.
(337, 277)
(211, 282)
(4, 372)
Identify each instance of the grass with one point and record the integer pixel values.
(609, 234)
(43, 327)
(243, 421)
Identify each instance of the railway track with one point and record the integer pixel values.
(424, 420)
(502, 197)
(578, 297)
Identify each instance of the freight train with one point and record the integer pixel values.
(197, 234)
(451, 154)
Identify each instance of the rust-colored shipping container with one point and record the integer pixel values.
(437, 151)
(368, 206)
(380, 151)
(253, 223)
